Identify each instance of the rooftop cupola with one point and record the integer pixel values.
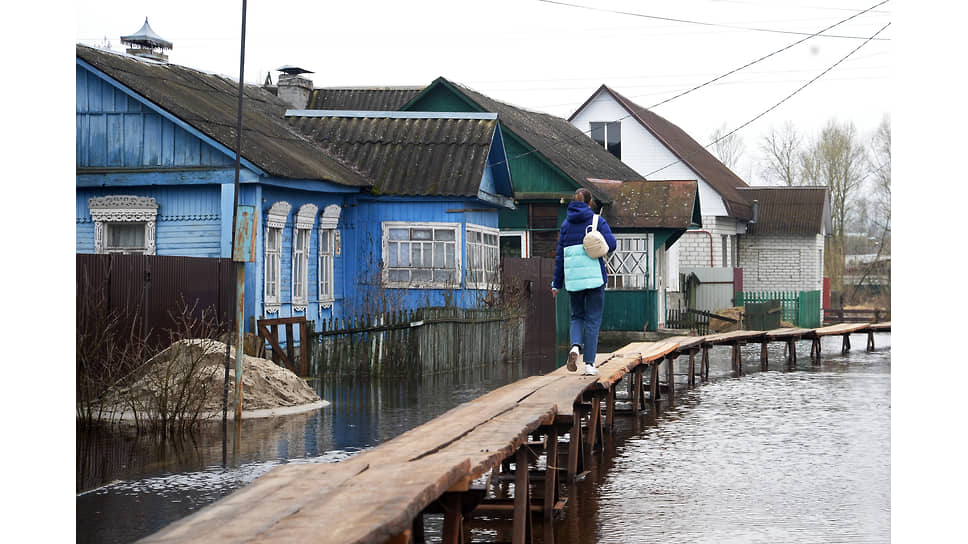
(146, 43)
(293, 87)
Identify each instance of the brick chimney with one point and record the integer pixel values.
(293, 87)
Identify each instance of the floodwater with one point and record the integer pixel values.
(789, 455)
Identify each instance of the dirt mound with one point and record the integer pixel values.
(265, 385)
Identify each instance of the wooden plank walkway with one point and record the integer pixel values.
(380, 495)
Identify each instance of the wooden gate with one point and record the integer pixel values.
(533, 278)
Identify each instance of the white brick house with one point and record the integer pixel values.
(784, 249)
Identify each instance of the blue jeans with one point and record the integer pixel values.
(586, 319)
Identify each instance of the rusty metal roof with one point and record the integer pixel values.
(406, 153)
(209, 103)
(697, 157)
(556, 140)
(650, 204)
(361, 98)
(789, 210)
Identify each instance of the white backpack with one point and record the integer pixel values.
(594, 243)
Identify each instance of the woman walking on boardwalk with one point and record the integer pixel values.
(584, 278)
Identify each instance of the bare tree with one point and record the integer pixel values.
(728, 148)
(781, 149)
(837, 160)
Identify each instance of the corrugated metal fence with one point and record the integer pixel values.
(150, 289)
(414, 343)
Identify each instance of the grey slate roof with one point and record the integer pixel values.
(560, 142)
(361, 98)
(789, 210)
(406, 153)
(209, 103)
(697, 157)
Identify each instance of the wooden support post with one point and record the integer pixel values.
(815, 350)
(671, 377)
(704, 366)
(636, 391)
(551, 472)
(453, 529)
(594, 421)
(870, 340)
(654, 383)
(737, 361)
(609, 408)
(846, 345)
(522, 499)
(574, 444)
(692, 368)
(764, 357)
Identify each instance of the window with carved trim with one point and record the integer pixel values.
(275, 223)
(329, 242)
(124, 224)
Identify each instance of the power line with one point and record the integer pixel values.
(747, 65)
(774, 106)
(702, 23)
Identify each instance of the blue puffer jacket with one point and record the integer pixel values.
(573, 232)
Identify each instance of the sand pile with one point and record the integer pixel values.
(266, 386)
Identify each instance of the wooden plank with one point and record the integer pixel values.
(373, 507)
(732, 337)
(255, 508)
(786, 333)
(841, 328)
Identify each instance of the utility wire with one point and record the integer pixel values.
(747, 65)
(702, 23)
(774, 106)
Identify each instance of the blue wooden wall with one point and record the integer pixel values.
(116, 131)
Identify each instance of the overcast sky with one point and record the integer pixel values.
(551, 56)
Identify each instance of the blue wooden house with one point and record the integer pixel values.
(344, 217)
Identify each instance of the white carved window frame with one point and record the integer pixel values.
(329, 241)
(305, 219)
(275, 223)
(629, 265)
(106, 210)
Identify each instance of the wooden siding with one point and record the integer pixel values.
(188, 222)
(116, 131)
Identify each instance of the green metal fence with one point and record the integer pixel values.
(801, 308)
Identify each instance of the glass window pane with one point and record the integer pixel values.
(402, 276)
(399, 234)
(598, 132)
(421, 276)
(415, 256)
(445, 234)
(421, 234)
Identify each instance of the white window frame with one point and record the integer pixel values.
(522, 237)
(328, 250)
(488, 255)
(123, 209)
(272, 267)
(630, 265)
(389, 271)
(305, 220)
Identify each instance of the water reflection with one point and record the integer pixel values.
(799, 455)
